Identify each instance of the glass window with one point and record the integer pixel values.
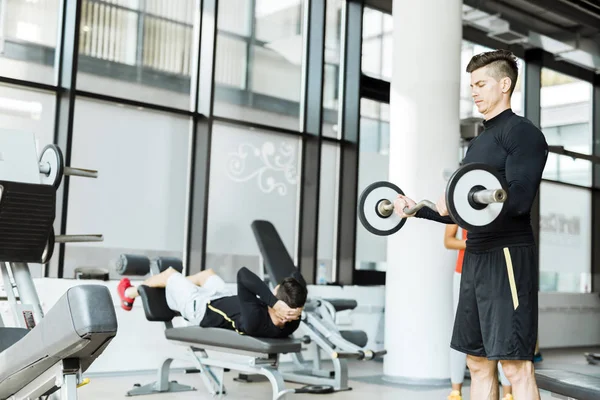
(258, 68)
(28, 34)
(377, 46)
(139, 200)
(568, 170)
(566, 112)
(137, 50)
(565, 238)
(467, 106)
(29, 111)
(253, 175)
(331, 72)
(371, 250)
(328, 208)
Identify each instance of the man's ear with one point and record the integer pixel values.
(506, 82)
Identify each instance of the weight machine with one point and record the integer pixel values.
(45, 352)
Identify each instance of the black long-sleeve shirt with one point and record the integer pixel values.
(518, 151)
(247, 312)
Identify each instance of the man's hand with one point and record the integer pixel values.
(441, 206)
(285, 313)
(401, 203)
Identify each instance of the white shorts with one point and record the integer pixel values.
(190, 300)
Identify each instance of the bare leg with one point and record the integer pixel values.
(484, 378)
(504, 382)
(155, 281)
(522, 378)
(457, 387)
(201, 277)
(456, 392)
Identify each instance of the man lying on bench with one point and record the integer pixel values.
(203, 300)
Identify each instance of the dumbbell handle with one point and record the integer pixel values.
(71, 171)
(78, 238)
(486, 196)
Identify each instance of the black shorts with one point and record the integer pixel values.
(497, 315)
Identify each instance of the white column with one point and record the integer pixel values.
(424, 140)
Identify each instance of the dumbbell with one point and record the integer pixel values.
(476, 196)
(52, 167)
(52, 239)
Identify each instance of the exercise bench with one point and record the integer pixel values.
(568, 384)
(317, 328)
(252, 355)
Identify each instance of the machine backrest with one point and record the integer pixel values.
(277, 259)
(154, 299)
(155, 304)
(27, 212)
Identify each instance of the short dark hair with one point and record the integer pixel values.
(502, 63)
(292, 293)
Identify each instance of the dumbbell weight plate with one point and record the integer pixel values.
(52, 156)
(460, 185)
(367, 209)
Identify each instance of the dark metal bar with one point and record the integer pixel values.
(573, 185)
(66, 69)
(28, 84)
(256, 125)
(596, 185)
(250, 47)
(132, 103)
(312, 122)
(350, 128)
(563, 152)
(532, 111)
(202, 95)
(374, 89)
(139, 51)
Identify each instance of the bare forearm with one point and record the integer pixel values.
(455, 244)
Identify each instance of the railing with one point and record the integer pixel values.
(157, 34)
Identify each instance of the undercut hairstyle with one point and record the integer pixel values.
(292, 293)
(501, 63)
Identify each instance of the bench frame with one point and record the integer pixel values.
(64, 374)
(318, 329)
(323, 338)
(212, 369)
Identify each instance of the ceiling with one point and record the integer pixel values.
(569, 29)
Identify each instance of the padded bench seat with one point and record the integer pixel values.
(217, 337)
(80, 325)
(570, 384)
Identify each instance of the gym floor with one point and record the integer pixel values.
(365, 379)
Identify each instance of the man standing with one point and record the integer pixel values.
(497, 315)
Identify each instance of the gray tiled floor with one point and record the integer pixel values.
(365, 382)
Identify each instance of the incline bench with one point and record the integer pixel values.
(253, 355)
(568, 384)
(317, 329)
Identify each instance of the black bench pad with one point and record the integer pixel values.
(570, 384)
(224, 338)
